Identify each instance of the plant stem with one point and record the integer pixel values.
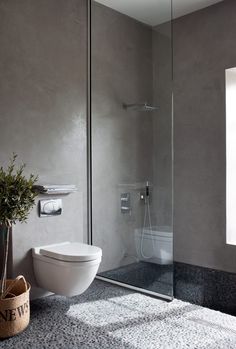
(4, 269)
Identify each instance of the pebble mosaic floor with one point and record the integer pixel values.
(110, 317)
(153, 277)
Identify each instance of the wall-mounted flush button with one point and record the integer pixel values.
(48, 208)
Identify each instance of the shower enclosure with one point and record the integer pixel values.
(131, 156)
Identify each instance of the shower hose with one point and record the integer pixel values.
(147, 223)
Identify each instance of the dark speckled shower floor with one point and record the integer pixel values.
(153, 277)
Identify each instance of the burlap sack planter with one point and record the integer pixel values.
(15, 311)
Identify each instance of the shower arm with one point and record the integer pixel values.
(139, 106)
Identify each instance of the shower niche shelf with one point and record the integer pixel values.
(55, 189)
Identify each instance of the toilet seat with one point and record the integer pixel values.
(71, 252)
(67, 268)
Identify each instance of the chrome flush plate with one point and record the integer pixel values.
(50, 207)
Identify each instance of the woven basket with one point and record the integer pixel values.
(15, 311)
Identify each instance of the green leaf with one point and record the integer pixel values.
(16, 193)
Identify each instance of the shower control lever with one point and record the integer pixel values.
(125, 205)
(142, 196)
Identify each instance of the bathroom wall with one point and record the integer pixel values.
(162, 126)
(122, 139)
(43, 111)
(204, 46)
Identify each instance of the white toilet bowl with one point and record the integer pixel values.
(67, 268)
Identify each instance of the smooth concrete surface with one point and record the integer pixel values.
(43, 111)
(204, 46)
(129, 147)
(43, 119)
(162, 153)
(121, 139)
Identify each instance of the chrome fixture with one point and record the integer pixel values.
(125, 206)
(145, 193)
(50, 208)
(140, 107)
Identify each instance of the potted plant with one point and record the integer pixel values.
(17, 198)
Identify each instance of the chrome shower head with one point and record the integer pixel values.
(140, 107)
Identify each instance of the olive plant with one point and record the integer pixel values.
(17, 198)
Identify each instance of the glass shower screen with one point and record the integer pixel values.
(131, 143)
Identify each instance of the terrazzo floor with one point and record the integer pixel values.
(110, 317)
(150, 276)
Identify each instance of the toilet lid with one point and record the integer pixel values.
(72, 252)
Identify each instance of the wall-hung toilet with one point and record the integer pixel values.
(67, 268)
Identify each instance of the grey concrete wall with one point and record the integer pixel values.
(43, 111)
(162, 205)
(122, 140)
(204, 46)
